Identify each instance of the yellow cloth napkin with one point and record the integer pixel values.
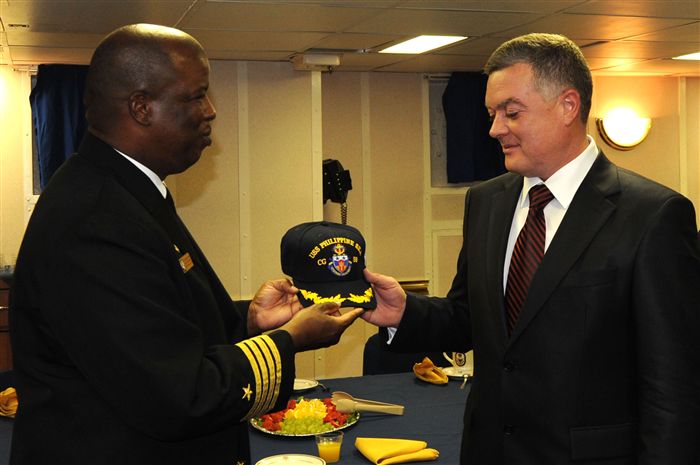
(8, 402)
(385, 451)
(427, 371)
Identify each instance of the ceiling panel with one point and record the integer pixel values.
(686, 33)
(659, 67)
(248, 41)
(246, 55)
(639, 49)
(359, 61)
(355, 41)
(596, 64)
(416, 22)
(276, 17)
(521, 6)
(617, 36)
(597, 27)
(51, 39)
(50, 55)
(437, 64)
(648, 8)
(343, 3)
(94, 16)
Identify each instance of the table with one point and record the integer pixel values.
(432, 413)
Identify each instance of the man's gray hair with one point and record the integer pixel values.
(556, 61)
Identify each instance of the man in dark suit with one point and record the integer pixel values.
(599, 362)
(127, 348)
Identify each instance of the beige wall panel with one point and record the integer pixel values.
(207, 193)
(657, 157)
(342, 139)
(448, 247)
(397, 174)
(280, 160)
(280, 143)
(448, 207)
(14, 92)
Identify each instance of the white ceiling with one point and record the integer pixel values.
(618, 37)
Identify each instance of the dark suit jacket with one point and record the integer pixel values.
(122, 355)
(603, 364)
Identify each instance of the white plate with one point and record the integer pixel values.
(301, 385)
(458, 373)
(292, 459)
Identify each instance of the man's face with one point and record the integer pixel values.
(528, 126)
(181, 116)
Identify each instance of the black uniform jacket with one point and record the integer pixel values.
(127, 348)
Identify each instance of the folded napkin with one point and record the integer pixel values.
(8, 402)
(427, 371)
(385, 451)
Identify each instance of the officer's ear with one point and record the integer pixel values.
(140, 107)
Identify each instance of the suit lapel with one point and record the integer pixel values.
(588, 212)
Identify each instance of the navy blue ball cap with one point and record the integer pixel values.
(326, 260)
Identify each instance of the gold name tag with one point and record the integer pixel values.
(186, 262)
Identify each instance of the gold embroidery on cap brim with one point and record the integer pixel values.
(354, 298)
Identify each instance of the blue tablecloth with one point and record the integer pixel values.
(432, 413)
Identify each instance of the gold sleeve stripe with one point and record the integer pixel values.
(266, 350)
(274, 370)
(241, 345)
(269, 372)
(262, 365)
(266, 364)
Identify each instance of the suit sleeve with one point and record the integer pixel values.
(146, 336)
(667, 311)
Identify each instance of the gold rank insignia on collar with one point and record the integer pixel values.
(185, 260)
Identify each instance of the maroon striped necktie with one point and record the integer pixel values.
(527, 254)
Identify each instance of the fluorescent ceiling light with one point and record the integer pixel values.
(422, 44)
(690, 56)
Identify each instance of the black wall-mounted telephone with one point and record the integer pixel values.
(336, 184)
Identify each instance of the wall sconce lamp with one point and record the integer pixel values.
(623, 129)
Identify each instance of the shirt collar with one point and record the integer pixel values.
(565, 182)
(160, 185)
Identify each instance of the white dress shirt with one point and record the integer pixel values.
(563, 185)
(155, 179)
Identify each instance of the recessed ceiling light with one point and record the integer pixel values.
(690, 56)
(422, 44)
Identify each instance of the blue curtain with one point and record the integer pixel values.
(58, 114)
(472, 155)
